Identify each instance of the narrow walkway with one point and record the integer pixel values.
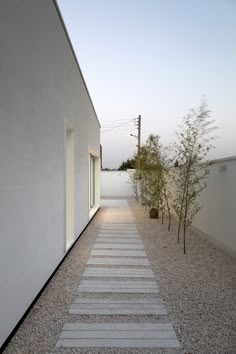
(118, 280)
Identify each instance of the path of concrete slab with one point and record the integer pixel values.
(117, 269)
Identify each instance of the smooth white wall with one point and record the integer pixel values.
(116, 184)
(41, 89)
(216, 220)
(217, 217)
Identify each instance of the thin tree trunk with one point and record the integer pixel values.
(185, 187)
(180, 220)
(168, 208)
(181, 211)
(185, 218)
(162, 217)
(184, 239)
(183, 197)
(169, 216)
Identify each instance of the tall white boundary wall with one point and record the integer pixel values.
(116, 184)
(217, 219)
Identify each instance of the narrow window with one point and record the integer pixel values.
(70, 172)
(92, 181)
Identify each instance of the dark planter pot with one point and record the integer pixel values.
(153, 213)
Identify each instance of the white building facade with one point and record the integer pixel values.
(49, 152)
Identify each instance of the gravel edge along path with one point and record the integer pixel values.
(199, 288)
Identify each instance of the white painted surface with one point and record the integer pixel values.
(217, 218)
(41, 88)
(116, 184)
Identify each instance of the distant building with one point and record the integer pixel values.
(49, 152)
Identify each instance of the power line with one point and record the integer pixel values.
(123, 126)
(114, 125)
(116, 120)
(118, 126)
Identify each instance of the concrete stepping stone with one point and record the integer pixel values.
(115, 234)
(114, 214)
(118, 283)
(119, 228)
(118, 245)
(119, 219)
(116, 307)
(118, 286)
(119, 261)
(121, 232)
(111, 300)
(118, 272)
(122, 240)
(119, 224)
(118, 335)
(119, 253)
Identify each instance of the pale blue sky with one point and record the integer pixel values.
(156, 58)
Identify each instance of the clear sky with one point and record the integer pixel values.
(156, 58)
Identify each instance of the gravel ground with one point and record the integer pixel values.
(199, 291)
(199, 288)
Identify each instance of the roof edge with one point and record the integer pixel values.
(74, 55)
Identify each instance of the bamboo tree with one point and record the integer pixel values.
(143, 177)
(154, 172)
(167, 195)
(155, 165)
(134, 184)
(192, 148)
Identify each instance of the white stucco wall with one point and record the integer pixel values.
(41, 89)
(116, 184)
(217, 218)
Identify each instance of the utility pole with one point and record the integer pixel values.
(139, 133)
(139, 139)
